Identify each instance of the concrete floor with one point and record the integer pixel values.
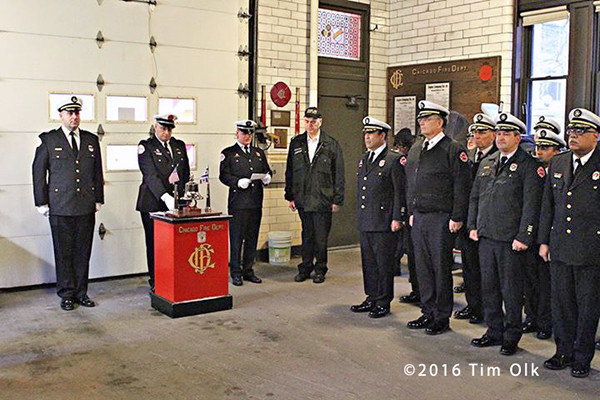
(282, 340)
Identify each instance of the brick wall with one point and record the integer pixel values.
(423, 31)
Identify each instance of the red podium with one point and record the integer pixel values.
(191, 272)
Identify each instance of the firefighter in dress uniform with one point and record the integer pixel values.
(238, 163)
(163, 161)
(569, 238)
(380, 214)
(68, 188)
(483, 131)
(538, 313)
(439, 179)
(503, 216)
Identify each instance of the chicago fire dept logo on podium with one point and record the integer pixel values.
(200, 259)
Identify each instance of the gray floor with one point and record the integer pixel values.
(282, 340)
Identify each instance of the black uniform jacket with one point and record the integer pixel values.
(315, 186)
(156, 167)
(70, 185)
(439, 179)
(381, 195)
(237, 164)
(570, 217)
(505, 201)
(474, 163)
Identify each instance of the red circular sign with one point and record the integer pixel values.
(280, 94)
(485, 72)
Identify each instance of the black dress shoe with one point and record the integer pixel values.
(363, 307)
(597, 344)
(485, 341)
(460, 288)
(508, 349)
(580, 370)
(544, 334)
(300, 277)
(85, 301)
(252, 278)
(379, 312)
(237, 280)
(319, 277)
(465, 313)
(410, 298)
(421, 323)
(67, 304)
(437, 328)
(475, 319)
(529, 327)
(557, 362)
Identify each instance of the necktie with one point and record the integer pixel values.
(371, 157)
(503, 160)
(167, 150)
(479, 156)
(246, 149)
(425, 145)
(74, 144)
(578, 166)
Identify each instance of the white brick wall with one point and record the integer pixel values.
(424, 31)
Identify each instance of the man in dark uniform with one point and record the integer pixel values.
(238, 163)
(569, 238)
(68, 188)
(538, 313)
(381, 199)
(484, 137)
(403, 141)
(438, 177)
(314, 185)
(503, 214)
(163, 161)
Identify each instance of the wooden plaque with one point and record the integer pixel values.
(472, 82)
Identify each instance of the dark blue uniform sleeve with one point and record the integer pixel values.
(532, 196)
(289, 172)
(225, 175)
(461, 173)
(150, 173)
(547, 210)
(98, 176)
(40, 175)
(399, 182)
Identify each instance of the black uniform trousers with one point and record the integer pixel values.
(405, 246)
(502, 282)
(243, 238)
(433, 244)
(72, 238)
(537, 291)
(148, 224)
(575, 309)
(377, 253)
(315, 232)
(471, 274)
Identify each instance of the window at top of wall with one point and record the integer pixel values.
(339, 34)
(550, 49)
(88, 107)
(126, 108)
(183, 108)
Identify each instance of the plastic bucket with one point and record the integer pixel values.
(280, 247)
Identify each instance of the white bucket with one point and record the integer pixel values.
(280, 247)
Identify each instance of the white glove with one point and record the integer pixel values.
(244, 183)
(169, 201)
(98, 206)
(44, 210)
(266, 180)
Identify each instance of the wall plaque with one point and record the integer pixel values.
(280, 118)
(473, 81)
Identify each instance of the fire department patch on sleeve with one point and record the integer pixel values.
(141, 149)
(541, 172)
(222, 157)
(463, 157)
